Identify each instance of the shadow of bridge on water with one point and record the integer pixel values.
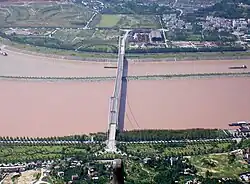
(123, 98)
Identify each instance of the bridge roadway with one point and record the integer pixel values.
(115, 99)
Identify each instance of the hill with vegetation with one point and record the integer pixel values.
(231, 9)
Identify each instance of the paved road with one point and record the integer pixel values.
(114, 111)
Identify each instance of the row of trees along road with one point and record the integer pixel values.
(157, 135)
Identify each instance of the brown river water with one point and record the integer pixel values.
(22, 64)
(63, 108)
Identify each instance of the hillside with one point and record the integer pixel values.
(227, 9)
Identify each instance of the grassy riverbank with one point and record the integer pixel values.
(138, 57)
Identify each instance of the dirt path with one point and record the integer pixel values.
(25, 178)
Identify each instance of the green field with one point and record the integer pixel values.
(43, 50)
(103, 40)
(176, 149)
(44, 15)
(17, 153)
(219, 166)
(109, 20)
(111, 38)
(139, 21)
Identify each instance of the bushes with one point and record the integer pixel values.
(175, 149)
(157, 135)
(168, 50)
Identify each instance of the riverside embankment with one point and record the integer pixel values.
(148, 57)
(145, 77)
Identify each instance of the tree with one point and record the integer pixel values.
(208, 174)
(231, 158)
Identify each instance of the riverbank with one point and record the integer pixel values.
(145, 77)
(20, 64)
(112, 57)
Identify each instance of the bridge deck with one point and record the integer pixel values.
(115, 99)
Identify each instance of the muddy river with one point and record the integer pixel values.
(64, 108)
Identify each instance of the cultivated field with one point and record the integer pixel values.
(72, 39)
(128, 21)
(45, 152)
(49, 14)
(139, 21)
(109, 20)
(56, 14)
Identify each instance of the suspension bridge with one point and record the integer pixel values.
(114, 107)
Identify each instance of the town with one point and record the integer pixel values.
(175, 30)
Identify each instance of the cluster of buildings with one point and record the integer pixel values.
(212, 23)
(20, 167)
(91, 170)
(245, 177)
(172, 22)
(193, 44)
(17, 168)
(145, 38)
(56, 167)
(243, 129)
(223, 24)
(237, 28)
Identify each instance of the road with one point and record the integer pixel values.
(174, 6)
(90, 20)
(163, 31)
(114, 107)
(40, 181)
